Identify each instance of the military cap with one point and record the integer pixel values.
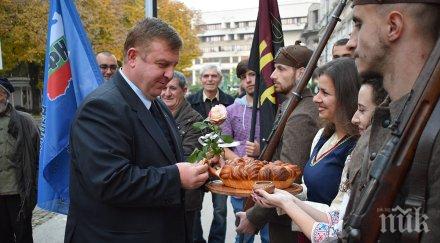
(296, 56)
(361, 2)
(6, 86)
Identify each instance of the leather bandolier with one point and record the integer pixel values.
(416, 182)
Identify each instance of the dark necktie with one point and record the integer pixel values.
(160, 119)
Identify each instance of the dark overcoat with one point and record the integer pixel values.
(124, 184)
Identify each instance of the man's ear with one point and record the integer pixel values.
(131, 57)
(185, 89)
(395, 25)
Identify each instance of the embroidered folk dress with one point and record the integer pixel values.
(323, 179)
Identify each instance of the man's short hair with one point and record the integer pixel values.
(149, 30)
(242, 68)
(341, 42)
(105, 53)
(181, 78)
(428, 25)
(211, 67)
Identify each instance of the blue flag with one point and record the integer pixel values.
(70, 74)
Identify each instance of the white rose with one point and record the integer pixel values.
(218, 114)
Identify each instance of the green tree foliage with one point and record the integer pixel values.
(23, 30)
(180, 17)
(23, 36)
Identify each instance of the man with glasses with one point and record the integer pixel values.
(107, 64)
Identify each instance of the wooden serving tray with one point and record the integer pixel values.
(218, 187)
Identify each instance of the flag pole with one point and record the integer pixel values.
(150, 8)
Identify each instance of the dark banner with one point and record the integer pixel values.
(268, 38)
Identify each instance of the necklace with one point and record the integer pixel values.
(317, 158)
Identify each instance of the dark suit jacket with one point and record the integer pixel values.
(124, 184)
(197, 102)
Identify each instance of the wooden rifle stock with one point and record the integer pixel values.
(277, 131)
(394, 161)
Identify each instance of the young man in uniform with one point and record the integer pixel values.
(387, 36)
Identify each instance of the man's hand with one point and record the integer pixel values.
(252, 149)
(192, 175)
(245, 226)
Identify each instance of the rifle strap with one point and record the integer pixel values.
(418, 175)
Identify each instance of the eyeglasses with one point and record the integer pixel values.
(105, 67)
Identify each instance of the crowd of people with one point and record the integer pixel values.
(130, 138)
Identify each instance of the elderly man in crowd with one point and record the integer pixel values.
(202, 101)
(19, 145)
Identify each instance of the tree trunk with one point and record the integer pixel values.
(35, 75)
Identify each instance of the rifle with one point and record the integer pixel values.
(395, 159)
(277, 131)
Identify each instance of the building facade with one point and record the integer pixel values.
(226, 36)
(22, 96)
(342, 29)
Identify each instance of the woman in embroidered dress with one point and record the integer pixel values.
(338, 88)
(320, 224)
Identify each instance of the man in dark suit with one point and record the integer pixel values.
(202, 102)
(126, 181)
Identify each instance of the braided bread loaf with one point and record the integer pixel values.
(244, 172)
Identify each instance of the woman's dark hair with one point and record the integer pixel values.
(379, 93)
(345, 77)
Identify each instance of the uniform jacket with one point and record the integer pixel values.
(124, 184)
(294, 147)
(197, 102)
(369, 145)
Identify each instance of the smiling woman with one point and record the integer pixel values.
(338, 83)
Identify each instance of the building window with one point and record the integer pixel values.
(288, 21)
(213, 26)
(248, 36)
(315, 16)
(234, 59)
(211, 59)
(242, 47)
(214, 38)
(242, 24)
